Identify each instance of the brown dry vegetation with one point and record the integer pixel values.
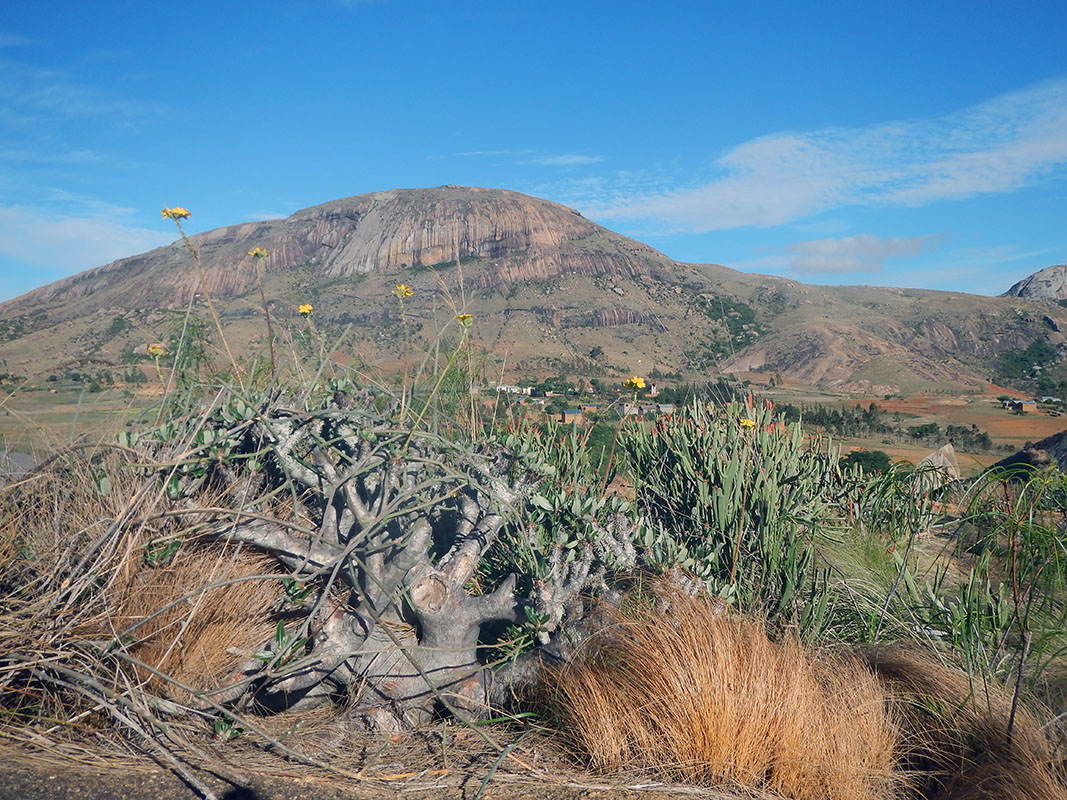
(702, 696)
(957, 740)
(684, 689)
(202, 634)
(193, 617)
(707, 697)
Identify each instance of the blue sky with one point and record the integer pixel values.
(888, 143)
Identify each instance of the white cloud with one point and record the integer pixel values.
(71, 243)
(996, 146)
(862, 253)
(31, 95)
(496, 153)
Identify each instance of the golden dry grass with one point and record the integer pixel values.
(956, 741)
(706, 697)
(189, 618)
(203, 610)
(702, 696)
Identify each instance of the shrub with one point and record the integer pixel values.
(735, 497)
(868, 460)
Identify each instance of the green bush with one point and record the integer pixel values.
(868, 460)
(736, 497)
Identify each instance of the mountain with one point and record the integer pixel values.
(1049, 284)
(547, 289)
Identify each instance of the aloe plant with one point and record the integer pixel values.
(734, 496)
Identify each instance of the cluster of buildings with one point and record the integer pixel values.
(1012, 404)
(640, 410)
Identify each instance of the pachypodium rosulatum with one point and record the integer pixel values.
(389, 538)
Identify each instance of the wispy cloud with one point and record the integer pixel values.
(71, 243)
(23, 155)
(480, 153)
(529, 157)
(564, 160)
(996, 146)
(981, 269)
(31, 95)
(13, 40)
(863, 253)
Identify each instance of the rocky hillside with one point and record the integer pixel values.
(547, 288)
(1049, 284)
(385, 232)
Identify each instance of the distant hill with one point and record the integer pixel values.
(1049, 284)
(546, 287)
(1050, 451)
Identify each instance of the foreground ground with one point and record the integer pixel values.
(33, 775)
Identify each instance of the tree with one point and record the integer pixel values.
(868, 460)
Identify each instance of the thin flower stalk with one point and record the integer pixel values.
(178, 214)
(260, 255)
(401, 293)
(465, 321)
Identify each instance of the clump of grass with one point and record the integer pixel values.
(97, 578)
(964, 739)
(703, 696)
(194, 619)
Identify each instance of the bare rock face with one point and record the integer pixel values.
(944, 461)
(1049, 284)
(519, 237)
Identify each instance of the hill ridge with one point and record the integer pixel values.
(549, 286)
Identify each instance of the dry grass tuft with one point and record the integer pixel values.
(955, 733)
(74, 574)
(706, 697)
(203, 610)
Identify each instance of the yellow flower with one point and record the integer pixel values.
(464, 319)
(259, 252)
(635, 382)
(306, 309)
(747, 423)
(402, 291)
(155, 350)
(176, 213)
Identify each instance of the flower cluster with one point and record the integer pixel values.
(259, 253)
(177, 213)
(306, 309)
(465, 319)
(745, 422)
(402, 291)
(636, 382)
(156, 350)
